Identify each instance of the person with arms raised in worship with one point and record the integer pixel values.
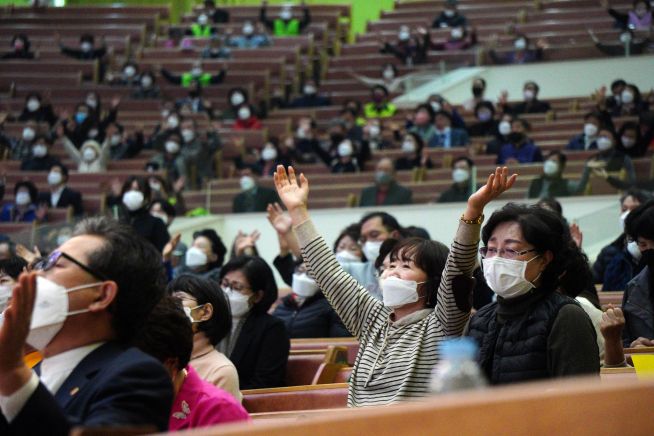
(423, 300)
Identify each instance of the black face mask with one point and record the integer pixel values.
(477, 91)
(648, 258)
(516, 137)
(336, 138)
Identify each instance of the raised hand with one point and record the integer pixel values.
(497, 183)
(280, 221)
(13, 333)
(26, 254)
(170, 247)
(612, 323)
(293, 195)
(576, 234)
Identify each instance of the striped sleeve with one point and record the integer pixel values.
(351, 301)
(460, 261)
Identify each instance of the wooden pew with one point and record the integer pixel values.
(326, 396)
(544, 408)
(305, 366)
(351, 344)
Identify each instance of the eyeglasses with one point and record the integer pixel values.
(236, 286)
(51, 261)
(506, 253)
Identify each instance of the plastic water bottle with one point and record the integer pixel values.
(458, 369)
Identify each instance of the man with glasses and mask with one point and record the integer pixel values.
(80, 309)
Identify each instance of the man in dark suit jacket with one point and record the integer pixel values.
(385, 191)
(64, 196)
(253, 197)
(110, 280)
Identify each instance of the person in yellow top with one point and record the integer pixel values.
(285, 24)
(380, 107)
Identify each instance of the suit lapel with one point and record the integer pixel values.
(85, 371)
(243, 340)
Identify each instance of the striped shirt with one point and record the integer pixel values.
(395, 359)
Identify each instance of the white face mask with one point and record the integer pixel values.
(86, 46)
(506, 277)
(91, 102)
(93, 133)
(39, 150)
(269, 153)
(449, 13)
(239, 303)
(590, 129)
(129, 71)
(388, 74)
(528, 94)
(604, 143)
(173, 122)
(504, 128)
(371, 249)
(133, 200)
(248, 29)
(456, 33)
(627, 96)
(236, 99)
(188, 135)
(346, 256)
(88, 154)
(246, 183)
(408, 147)
(50, 311)
(632, 248)
(115, 140)
(28, 134)
(459, 175)
(397, 292)
(309, 89)
(33, 105)
(627, 142)
(345, 149)
(146, 81)
(403, 35)
(54, 178)
(374, 131)
(244, 113)
(23, 198)
(436, 106)
(304, 286)
(5, 295)
(195, 257)
(520, 44)
(550, 168)
(202, 20)
(196, 71)
(172, 147)
(285, 14)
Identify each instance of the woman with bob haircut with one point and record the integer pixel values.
(423, 304)
(532, 331)
(208, 309)
(258, 343)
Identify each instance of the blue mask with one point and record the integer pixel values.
(80, 117)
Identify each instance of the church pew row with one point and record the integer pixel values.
(351, 344)
(104, 10)
(136, 33)
(608, 408)
(325, 396)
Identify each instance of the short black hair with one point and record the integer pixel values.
(445, 114)
(31, 188)
(428, 108)
(388, 220)
(525, 124)
(618, 82)
(639, 195)
(354, 232)
(167, 334)
(13, 266)
(206, 291)
(416, 232)
(62, 167)
(463, 158)
(381, 88)
(259, 276)
(563, 159)
(429, 256)
(640, 222)
(217, 246)
(134, 264)
(550, 203)
(577, 276)
(543, 229)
